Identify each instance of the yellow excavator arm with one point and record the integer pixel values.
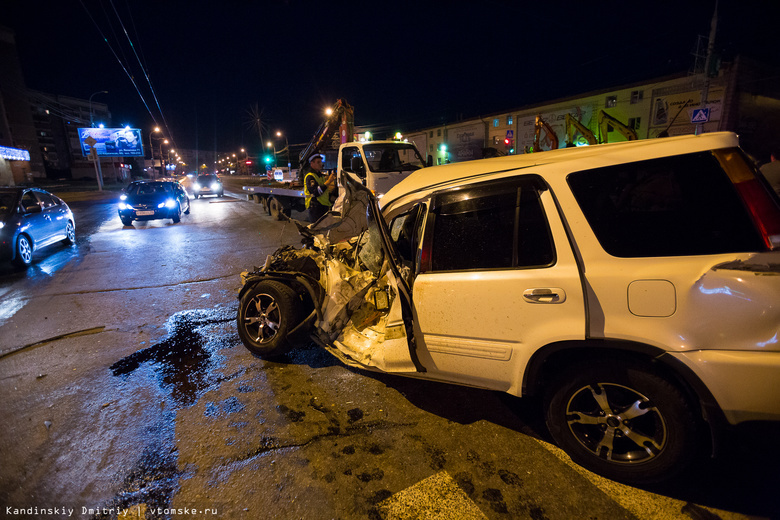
(606, 120)
(551, 135)
(573, 126)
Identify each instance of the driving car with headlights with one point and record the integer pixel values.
(150, 200)
(208, 184)
(633, 287)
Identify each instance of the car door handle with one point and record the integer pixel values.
(545, 295)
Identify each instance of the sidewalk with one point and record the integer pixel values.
(76, 191)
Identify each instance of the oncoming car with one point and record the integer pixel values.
(32, 218)
(633, 287)
(150, 200)
(208, 185)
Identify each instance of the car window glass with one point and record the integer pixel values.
(404, 231)
(29, 199)
(673, 206)
(503, 227)
(347, 154)
(47, 200)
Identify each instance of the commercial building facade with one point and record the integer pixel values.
(744, 98)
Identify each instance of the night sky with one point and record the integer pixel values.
(402, 65)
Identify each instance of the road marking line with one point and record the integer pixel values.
(643, 504)
(437, 496)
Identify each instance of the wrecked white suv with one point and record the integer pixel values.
(634, 286)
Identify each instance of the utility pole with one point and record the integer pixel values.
(707, 64)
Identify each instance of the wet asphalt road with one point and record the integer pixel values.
(126, 391)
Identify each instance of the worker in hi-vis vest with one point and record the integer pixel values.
(318, 189)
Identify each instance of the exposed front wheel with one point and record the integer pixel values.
(266, 314)
(127, 221)
(177, 216)
(24, 251)
(70, 233)
(623, 421)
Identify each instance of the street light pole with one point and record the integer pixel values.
(91, 119)
(151, 151)
(286, 147)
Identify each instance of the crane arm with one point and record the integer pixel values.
(342, 117)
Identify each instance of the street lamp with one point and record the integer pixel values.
(272, 146)
(286, 147)
(151, 150)
(162, 158)
(91, 120)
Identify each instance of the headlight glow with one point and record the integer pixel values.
(170, 204)
(123, 205)
(123, 196)
(215, 186)
(196, 186)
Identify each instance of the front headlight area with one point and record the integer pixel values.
(196, 186)
(125, 206)
(169, 203)
(215, 186)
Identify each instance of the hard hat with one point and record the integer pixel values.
(317, 156)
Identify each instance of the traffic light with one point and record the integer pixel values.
(267, 159)
(510, 145)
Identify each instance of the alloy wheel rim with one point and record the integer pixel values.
(616, 423)
(262, 318)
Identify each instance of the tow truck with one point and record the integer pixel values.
(378, 165)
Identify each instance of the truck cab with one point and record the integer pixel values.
(379, 165)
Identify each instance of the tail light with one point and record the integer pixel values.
(761, 204)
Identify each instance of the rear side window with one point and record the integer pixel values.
(491, 226)
(673, 206)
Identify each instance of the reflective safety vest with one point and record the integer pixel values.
(324, 197)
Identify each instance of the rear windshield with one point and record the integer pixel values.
(673, 206)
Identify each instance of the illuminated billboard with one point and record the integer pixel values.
(111, 142)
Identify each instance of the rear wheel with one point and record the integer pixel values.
(623, 421)
(24, 251)
(266, 314)
(275, 208)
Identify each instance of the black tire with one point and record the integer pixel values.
(220, 194)
(24, 251)
(623, 421)
(70, 233)
(196, 196)
(187, 212)
(127, 221)
(275, 208)
(177, 216)
(266, 314)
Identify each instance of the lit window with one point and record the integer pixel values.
(509, 120)
(495, 123)
(611, 102)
